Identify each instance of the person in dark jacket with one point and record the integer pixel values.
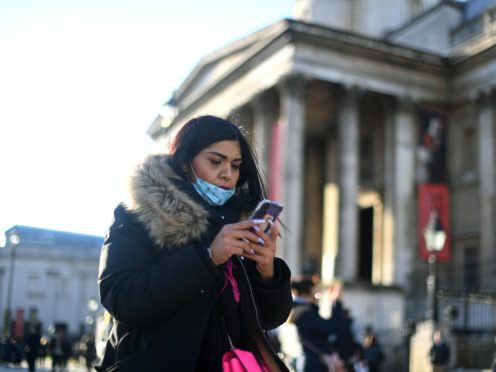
(315, 332)
(31, 348)
(439, 352)
(60, 350)
(344, 341)
(88, 350)
(372, 351)
(183, 267)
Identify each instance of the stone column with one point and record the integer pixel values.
(261, 133)
(348, 168)
(404, 191)
(486, 140)
(330, 233)
(386, 275)
(292, 121)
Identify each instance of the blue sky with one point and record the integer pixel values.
(81, 81)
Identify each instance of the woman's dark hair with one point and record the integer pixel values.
(202, 131)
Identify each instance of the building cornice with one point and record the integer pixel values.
(291, 34)
(375, 49)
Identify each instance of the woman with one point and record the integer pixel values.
(180, 270)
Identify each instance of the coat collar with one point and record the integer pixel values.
(170, 215)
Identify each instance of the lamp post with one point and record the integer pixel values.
(13, 241)
(91, 317)
(435, 239)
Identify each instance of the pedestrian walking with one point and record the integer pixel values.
(439, 352)
(60, 350)
(31, 348)
(315, 332)
(372, 351)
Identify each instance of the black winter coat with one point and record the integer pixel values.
(314, 332)
(161, 288)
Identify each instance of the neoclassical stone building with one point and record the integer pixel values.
(49, 278)
(353, 105)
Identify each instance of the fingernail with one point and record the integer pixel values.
(256, 228)
(252, 251)
(260, 240)
(259, 221)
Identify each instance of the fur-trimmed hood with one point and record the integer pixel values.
(170, 215)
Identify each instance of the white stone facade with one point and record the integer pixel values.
(54, 275)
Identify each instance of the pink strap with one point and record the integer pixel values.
(229, 279)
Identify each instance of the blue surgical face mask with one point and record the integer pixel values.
(213, 195)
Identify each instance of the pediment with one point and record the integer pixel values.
(217, 65)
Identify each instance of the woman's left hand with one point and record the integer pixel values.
(264, 254)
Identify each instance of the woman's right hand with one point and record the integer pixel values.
(234, 239)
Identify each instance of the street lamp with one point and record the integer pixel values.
(435, 239)
(91, 317)
(13, 241)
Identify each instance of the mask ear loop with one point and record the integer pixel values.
(192, 170)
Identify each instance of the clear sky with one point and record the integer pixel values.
(80, 83)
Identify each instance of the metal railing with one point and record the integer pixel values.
(395, 344)
(471, 318)
(473, 311)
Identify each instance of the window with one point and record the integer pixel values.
(470, 268)
(34, 286)
(352, 14)
(62, 289)
(468, 150)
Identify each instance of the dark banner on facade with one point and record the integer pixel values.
(432, 147)
(434, 228)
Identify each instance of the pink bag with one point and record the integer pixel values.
(237, 360)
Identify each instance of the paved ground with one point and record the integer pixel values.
(24, 367)
(76, 368)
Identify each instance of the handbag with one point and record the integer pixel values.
(238, 360)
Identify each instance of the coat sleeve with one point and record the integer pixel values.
(136, 286)
(273, 297)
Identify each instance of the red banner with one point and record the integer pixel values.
(433, 221)
(19, 323)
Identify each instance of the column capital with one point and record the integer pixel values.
(353, 89)
(261, 103)
(405, 102)
(293, 84)
(485, 97)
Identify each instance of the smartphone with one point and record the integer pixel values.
(267, 210)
